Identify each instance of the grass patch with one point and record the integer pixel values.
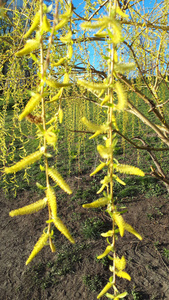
(91, 228)
(93, 282)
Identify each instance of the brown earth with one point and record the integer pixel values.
(44, 278)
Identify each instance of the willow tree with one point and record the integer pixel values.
(50, 45)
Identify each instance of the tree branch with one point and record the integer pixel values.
(147, 100)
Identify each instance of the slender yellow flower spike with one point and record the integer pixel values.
(62, 228)
(23, 163)
(32, 103)
(123, 67)
(50, 194)
(104, 183)
(99, 168)
(68, 12)
(66, 78)
(57, 96)
(98, 203)
(105, 152)
(106, 99)
(102, 22)
(92, 85)
(29, 209)
(45, 24)
(59, 180)
(30, 46)
(106, 252)
(126, 169)
(130, 229)
(123, 274)
(122, 225)
(107, 234)
(119, 296)
(35, 24)
(38, 246)
(60, 62)
(116, 36)
(118, 179)
(56, 85)
(122, 98)
(119, 222)
(61, 24)
(50, 137)
(90, 125)
(105, 289)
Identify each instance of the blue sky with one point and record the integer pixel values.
(144, 7)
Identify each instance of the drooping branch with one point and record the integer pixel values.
(159, 174)
(140, 115)
(146, 99)
(147, 148)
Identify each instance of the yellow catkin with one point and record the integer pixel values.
(126, 169)
(99, 168)
(30, 159)
(120, 264)
(50, 137)
(90, 125)
(57, 96)
(29, 47)
(32, 103)
(34, 25)
(61, 24)
(105, 152)
(98, 203)
(130, 229)
(50, 194)
(59, 180)
(55, 84)
(91, 85)
(119, 222)
(29, 209)
(122, 98)
(38, 246)
(45, 24)
(62, 228)
(106, 252)
(104, 290)
(59, 62)
(123, 274)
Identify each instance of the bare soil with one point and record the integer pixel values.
(82, 277)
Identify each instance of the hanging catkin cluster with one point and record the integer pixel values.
(45, 128)
(112, 95)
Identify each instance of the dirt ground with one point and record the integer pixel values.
(147, 263)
